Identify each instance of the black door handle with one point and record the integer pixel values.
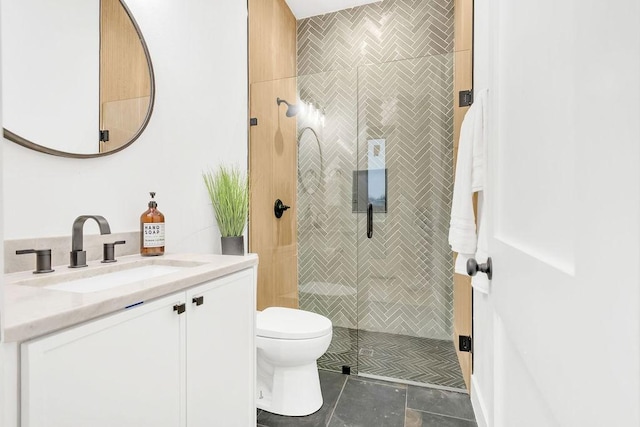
(473, 267)
(370, 221)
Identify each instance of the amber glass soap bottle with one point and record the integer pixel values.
(152, 230)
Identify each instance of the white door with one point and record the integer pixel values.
(563, 200)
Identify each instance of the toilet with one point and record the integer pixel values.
(289, 342)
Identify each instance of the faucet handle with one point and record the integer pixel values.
(108, 251)
(43, 259)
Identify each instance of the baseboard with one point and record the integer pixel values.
(478, 404)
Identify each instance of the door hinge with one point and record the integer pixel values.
(180, 308)
(465, 98)
(465, 343)
(253, 121)
(104, 135)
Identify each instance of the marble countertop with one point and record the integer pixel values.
(31, 310)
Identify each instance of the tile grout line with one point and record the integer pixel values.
(406, 405)
(337, 400)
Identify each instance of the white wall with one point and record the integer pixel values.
(199, 50)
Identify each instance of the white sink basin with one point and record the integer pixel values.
(100, 277)
(117, 278)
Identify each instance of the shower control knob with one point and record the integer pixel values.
(279, 208)
(473, 267)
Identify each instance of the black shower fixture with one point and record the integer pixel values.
(292, 109)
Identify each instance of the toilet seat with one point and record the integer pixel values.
(292, 324)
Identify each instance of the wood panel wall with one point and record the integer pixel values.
(463, 63)
(273, 151)
(125, 83)
(272, 41)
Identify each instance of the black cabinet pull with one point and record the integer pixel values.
(180, 308)
(198, 300)
(370, 221)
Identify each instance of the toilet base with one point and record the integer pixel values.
(290, 391)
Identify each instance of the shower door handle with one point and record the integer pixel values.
(370, 221)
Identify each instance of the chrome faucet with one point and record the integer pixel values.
(78, 257)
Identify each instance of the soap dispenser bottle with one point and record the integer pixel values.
(152, 230)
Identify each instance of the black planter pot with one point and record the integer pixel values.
(232, 245)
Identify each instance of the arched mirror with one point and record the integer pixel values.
(77, 79)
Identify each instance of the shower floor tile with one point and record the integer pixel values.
(421, 360)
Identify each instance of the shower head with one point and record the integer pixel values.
(292, 109)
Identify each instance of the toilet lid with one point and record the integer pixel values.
(289, 323)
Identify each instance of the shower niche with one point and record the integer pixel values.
(369, 186)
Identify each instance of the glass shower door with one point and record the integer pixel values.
(402, 196)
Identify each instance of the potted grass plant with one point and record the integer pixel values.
(229, 193)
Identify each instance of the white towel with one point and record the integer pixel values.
(462, 228)
(470, 178)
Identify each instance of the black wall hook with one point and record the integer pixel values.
(279, 208)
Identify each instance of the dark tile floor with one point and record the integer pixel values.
(423, 360)
(351, 401)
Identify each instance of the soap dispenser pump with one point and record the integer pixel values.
(152, 230)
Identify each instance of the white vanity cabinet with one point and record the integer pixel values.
(150, 365)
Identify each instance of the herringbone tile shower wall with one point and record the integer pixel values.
(381, 71)
(386, 31)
